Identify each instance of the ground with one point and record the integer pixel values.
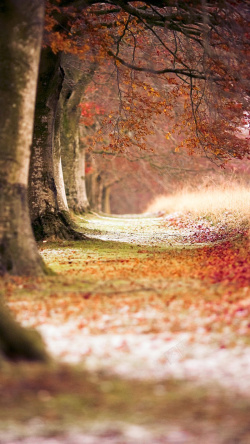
(147, 323)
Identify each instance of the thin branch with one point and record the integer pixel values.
(191, 73)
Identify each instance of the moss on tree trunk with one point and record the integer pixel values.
(18, 250)
(56, 225)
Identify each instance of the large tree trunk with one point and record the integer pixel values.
(73, 161)
(48, 219)
(21, 25)
(73, 152)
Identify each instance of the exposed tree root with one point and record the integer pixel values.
(56, 226)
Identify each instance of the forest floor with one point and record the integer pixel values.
(147, 323)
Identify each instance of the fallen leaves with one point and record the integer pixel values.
(201, 231)
(142, 294)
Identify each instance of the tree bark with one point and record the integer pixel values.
(94, 190)
(73, 153)
(106, 199)
(58, 172)
(48, 219)
(21, 25)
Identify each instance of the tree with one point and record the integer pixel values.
(48, 219)
(21, 27)
(56, 131)
(77, 76)
(204, 44)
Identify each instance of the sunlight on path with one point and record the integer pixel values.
(140, 230)
(172, 229)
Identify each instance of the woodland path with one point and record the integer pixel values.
(149, 300)
(163, 322)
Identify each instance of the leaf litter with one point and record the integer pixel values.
(147, 299)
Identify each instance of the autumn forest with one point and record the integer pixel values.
(124, 222)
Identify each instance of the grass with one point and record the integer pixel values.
(230, 204)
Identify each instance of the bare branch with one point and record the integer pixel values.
(185, 72)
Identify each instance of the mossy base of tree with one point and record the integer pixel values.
(80, 210)
(18, 251)
(16, 342)
(57, 225)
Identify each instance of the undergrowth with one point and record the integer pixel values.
(230, 204)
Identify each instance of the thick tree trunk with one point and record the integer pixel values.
(48, 219)
(73, 152)
(21, 25)
(73, 161)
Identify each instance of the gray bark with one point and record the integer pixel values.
(21, 25)
(73, 152)
(49, 220)
(58, 172)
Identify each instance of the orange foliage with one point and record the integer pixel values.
(212, 104)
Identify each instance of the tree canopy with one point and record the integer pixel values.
(198, 49)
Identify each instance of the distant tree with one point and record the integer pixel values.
(78, 74)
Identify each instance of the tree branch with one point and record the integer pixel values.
(189, 73)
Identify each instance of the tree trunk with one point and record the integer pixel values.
(73, 152)
(48, 220)
(106, 199)
(58, 172)
(73, 161)
(94, 191)
(21, 25)
(17, 342)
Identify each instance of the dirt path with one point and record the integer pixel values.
(149, 299)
